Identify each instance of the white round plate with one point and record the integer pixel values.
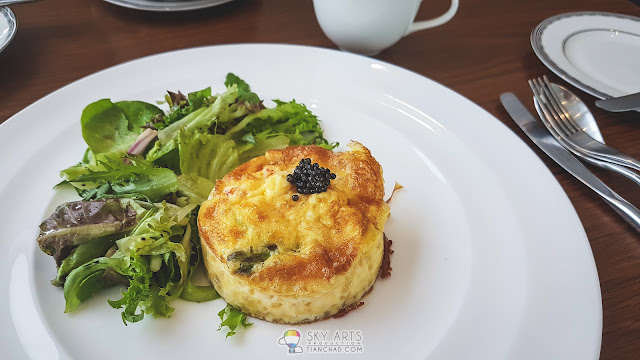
(490, 262)
(594, 51)
(8, 26)
(167, 5)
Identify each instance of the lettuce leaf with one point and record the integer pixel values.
(244, 91)
(181, 106)
(88, 279)
(260, 144)
(142, 296)
(288, 119)
(208, 156)
(77, 222)
(202, 119)
(157, 234)
(139, 179)
(82, 254)
(232, 318)
(195, 188)
(160, 232)
(191, 292)
(163, 234)
(112, 127)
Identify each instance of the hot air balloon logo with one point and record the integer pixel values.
(291, 338)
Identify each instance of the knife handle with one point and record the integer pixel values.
(628, 212)
(633, 176)
(619, 104)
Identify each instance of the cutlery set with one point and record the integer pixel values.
(563, 136)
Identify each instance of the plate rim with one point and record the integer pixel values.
(504, 131)
(168, 6)
(13, 26)
(536, 43)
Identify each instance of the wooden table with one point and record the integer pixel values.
(482, 52)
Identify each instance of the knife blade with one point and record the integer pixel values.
(622, 103)
(537, 132)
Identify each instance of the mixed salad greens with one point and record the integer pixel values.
(142, 179)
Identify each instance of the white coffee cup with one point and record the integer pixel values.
(370, 26)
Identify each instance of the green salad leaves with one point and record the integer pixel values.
(113, 128)
(232, 318)
(112, 177)
(142, 179)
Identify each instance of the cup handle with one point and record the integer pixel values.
(426, 24)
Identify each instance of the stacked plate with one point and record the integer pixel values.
(594, 51)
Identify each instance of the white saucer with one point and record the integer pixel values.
(594, 51)
(167, 5)
(8, 26)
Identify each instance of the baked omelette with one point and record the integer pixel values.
(287, 257)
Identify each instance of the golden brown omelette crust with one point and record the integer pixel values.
(355, 200)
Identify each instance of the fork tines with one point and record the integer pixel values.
(564, 127)
(553, 107)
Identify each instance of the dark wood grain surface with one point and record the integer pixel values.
(482, 52)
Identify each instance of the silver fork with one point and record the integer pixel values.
(547, 120)
(567, 129)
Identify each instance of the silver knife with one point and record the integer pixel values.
(536, 131)
(622, 103)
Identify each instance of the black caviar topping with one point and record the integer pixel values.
(310, 178)
(295, 197)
